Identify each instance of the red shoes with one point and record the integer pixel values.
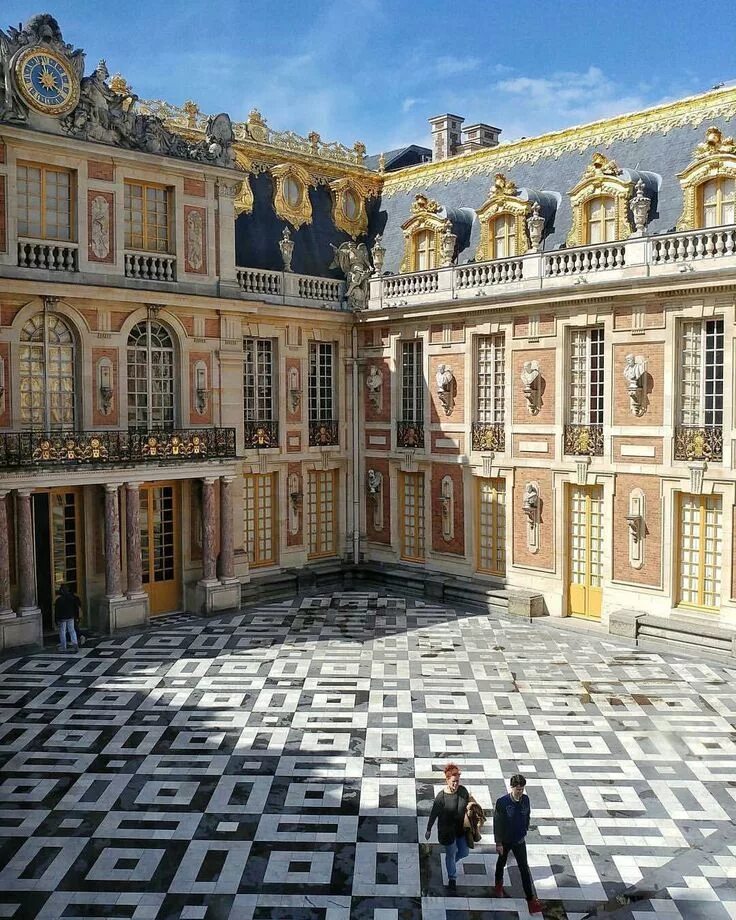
(498, 892)
(534, 906)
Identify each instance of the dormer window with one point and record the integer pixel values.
(503, 236)
(600, 220)
(424, 250)
(502, 219)
(718, 202)
(423, 233)
(709, 184)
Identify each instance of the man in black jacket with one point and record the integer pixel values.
(66, 608)
(510, 826)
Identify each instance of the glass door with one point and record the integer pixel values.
(160, 546)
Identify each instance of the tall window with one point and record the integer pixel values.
(412, 516)
(700, 551)
(321, 381)
(260, 518)
(147, 217)
(259, 397)
(600, 214)
(492, 526)
(45, 203)
(412, 382)
(321, 517)
(586, 377)
(150, 376)
(718, 202)
(424, 250)
(503, 236)
(701, 375)
(46, 363)
(491, 380)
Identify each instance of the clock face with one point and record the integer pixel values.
(46, 81)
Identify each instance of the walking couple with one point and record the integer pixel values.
(510, 825)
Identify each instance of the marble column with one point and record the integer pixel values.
(209, 559)
(26, 562)
(133, 538)
(227, 547)
(4, 558)
(112, 541)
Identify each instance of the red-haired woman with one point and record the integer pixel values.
(449, 811)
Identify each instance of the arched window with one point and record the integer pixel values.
(718, 202)
(600, 219)
(46, 359)
(151, 387)
(424, 250)
(503, 236)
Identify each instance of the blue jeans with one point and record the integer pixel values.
(64, 627)
(454, 852)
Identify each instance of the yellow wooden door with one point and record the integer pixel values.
(585, 536)
(160, 546)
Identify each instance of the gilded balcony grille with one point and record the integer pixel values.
(693, 443)
(92, 448)
(584, 440)
(410, 434)
(323, 433)
(262, 433)
(488, 437)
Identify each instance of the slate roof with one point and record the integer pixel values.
(660, 153)
(399, 158)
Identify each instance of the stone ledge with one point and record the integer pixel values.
(624, 622)
(19, 632)
(680, 632)
(527, 604)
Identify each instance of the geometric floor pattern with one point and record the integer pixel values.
(280, 764)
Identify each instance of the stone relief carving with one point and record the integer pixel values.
(445, 380)
(354, 262)
(374, 385)
(634, 371)
(531, 507)
(374, 482)
(100, 227)
(101, 114)
(195, 240)
(531, 386)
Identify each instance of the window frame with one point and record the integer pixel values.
(418, 517)
(719, 181)
(708, 343)
(591, 377)
(496, 550)
(490, 386)
(701, 549)
(319, 393)
(44, 170)
(127, 218)
(605, 221)
(47, 391)
(412, 389)
(260, 409)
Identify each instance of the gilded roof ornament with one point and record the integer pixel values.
(191, 109)
(503, 186)
(119, 85)
(715, 142)
(600, 165)
(424, 205)
(256, 126)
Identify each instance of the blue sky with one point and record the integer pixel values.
(376, 70)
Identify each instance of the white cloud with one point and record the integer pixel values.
(410, 102)
(446, 66)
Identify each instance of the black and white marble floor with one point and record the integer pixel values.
(280, 764)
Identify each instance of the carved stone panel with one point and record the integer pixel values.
(100, 226)
(195, 240)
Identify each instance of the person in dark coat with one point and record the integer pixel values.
(448, 810)
(66, 609)
(510, 826)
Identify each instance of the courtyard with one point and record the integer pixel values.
(280, 763)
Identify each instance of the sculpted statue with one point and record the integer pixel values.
(444, 379)
(374, 482)
(354, 262)
(530, 503)
(530, 382)
(286, 245)
(634, 369)
(374, 382)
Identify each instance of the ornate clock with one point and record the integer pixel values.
(46, 81)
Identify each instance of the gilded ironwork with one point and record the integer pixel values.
(503, 200)
(714, 158)
(632, 126)
(583, 440)
(243, 200)
(410, 434)
(263, 433)
(485, 437)
(602, 178)
(693, 443)
(324, 433)
(78, 448)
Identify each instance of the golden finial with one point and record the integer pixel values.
(119, 85)
(191, 110)
(382, 163)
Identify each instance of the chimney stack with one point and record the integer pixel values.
(478, 136)
(446, 135)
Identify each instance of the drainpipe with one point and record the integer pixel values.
(356, 445)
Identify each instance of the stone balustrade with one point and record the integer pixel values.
(291, 288)
(637, 257)
(49, 255)
(148, 266)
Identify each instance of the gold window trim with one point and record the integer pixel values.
(301, 212)
(504, 201)
(358, 225)
(243, 201)
(715, 158)
(425, 215)
(601, 179)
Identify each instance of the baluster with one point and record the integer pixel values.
(730, 241)
(709, 248)
(699, 245)
(719, 241)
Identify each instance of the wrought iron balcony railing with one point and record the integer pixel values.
(261, 433)
(488, 436)
(410, 434)
(324, 433)
(77, 448)
(584, 440)
(693, 443)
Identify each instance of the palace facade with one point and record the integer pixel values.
(234, 361)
